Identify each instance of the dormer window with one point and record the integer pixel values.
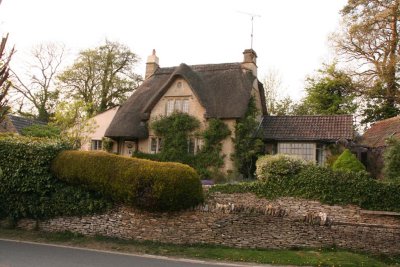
(177, 104)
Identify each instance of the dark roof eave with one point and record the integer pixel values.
(298, 139)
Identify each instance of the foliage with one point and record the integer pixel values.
(278, 166)
(29, 190)
(370, 39)
(247, 146)
(209, 160)
(330, 93)
(72, 118)
(325, 185)
(5, 84)
(37, 130)
(392, 160)
(150, 185)
(347, 161)
(101, 77)
(174, 131)
(107, 144)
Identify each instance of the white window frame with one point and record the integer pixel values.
(306, 151)
(158, 145)
(96, 144)
(177, 104)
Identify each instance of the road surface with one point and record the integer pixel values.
(27, 254)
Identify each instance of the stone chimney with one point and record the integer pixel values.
(250, 61)
(151, 64)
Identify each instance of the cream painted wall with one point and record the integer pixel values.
(101, 122)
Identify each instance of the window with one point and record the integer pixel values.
(170, 107)
(155, 145)
(320, 155)
(303, 150)
(181, 105)
(96, 145)
(194, 145)
(185, 106)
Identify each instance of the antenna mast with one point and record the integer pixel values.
(252, 15)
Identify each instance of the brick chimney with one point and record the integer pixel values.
(151, 64)
(250, 61)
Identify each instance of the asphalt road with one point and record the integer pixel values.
(25, 254)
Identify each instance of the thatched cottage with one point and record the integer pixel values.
(204, 91)
(220, 91)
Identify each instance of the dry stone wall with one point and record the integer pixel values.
(243, 220)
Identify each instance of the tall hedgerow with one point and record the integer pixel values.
(391, 158)
(29, 190)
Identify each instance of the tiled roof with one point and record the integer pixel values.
(307, 128)
(21, 123)
(376, 135)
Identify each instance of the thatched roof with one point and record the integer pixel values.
(307, 128)
(380, 131)
(223, 90)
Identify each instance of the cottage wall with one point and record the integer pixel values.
(183, 91)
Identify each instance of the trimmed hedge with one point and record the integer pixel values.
(347, 161)
(29, 190)
(149, 185)
(328, 186)
(278, 166)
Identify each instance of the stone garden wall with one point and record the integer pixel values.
(243, 220)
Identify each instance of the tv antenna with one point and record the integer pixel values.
(252, 15)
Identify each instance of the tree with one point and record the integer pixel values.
(101, 77)
(329, 93)
(5, 84)
(391, 158)
(347, 161)
(37, 87)
(247, 146)
(370, 39)
(276, 105)
(73, 121)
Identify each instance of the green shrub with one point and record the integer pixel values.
(325, 185)
(150, 185)
(391, 158)
(347, 161)
(29, 190)
(278, 166)
(38, 130)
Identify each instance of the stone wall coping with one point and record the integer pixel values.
(380, 212)
(371, 225)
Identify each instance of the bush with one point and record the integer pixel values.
(391, 158)
(29, 190)
(325, 185)
(149, 185)
(38, 130)
(347, 161)
(278, 166)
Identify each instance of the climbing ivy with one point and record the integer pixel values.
(175, 131)
(247, 146)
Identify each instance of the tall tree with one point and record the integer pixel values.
(370, 38)
(330, 92)
(101, 77)
(37, 87)
(5, 84)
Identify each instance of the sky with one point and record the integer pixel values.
(290, 36)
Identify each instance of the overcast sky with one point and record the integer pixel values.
(290, 36)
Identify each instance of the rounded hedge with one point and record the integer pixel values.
(279, 166)
(149, 185)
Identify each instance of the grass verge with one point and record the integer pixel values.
(299, 257)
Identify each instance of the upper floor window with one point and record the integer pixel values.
(179, 104)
